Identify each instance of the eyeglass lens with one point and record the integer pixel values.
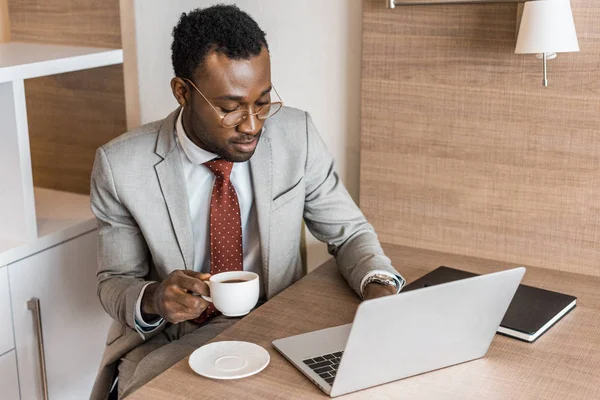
(235, 118)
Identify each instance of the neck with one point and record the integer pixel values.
(187, 129)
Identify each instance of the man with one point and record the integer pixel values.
(230, 157)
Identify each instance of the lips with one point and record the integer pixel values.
(245, 146)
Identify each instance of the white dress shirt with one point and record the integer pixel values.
(199, 181)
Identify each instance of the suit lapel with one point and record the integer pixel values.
(172, 183)
(261, 169)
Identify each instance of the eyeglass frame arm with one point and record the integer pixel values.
(223, 116)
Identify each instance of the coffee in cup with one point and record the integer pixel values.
(235, 281)
(233, 293)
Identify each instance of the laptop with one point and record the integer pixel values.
(395, 337)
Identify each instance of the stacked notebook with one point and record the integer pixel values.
(531, 313)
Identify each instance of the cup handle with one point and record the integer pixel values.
(207, 298)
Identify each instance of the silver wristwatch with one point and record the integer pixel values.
(382, 279)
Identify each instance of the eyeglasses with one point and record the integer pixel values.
(234, 118)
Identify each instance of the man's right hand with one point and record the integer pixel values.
(172, 299)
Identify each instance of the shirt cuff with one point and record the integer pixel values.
(141, 325)
(400, 281)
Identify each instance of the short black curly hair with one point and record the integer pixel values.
(222, 28)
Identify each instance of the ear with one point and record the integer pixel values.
(180, 91)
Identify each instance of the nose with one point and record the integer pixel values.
(250, 126)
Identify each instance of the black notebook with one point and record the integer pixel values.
(531, 313)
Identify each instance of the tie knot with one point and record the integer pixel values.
(221, 168)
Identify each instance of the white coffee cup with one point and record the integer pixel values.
(233, 299)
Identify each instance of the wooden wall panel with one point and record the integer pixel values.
(4, 23)
(71, 114)
(463, 150)
(76, 22)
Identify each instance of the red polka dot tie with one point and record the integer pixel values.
(225, 227)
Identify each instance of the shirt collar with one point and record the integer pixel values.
(195, 154)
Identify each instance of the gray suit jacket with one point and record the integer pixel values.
(139, 196)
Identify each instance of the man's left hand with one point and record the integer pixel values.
(374, 290)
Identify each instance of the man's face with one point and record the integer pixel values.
(229, 85)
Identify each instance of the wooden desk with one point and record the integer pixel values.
(563, 364)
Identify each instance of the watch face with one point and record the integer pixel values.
(384, 280)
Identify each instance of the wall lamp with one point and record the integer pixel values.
(546, 26)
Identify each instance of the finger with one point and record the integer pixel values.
(177, 318)
(186, 282)
(194, 304)
(183, 309)
(197, 275)
(187, 303)
(174, 312)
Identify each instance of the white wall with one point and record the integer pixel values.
(315, 50)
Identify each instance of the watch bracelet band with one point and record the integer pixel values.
(382, 279)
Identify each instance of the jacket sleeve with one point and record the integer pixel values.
(332, 216)
(123, 256)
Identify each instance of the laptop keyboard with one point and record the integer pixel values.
(326, 365)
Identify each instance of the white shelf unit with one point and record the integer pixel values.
(60, 216)
(34, 219)
(20, 60)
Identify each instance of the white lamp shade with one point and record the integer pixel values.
(547, 27)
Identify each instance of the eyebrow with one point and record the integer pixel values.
(241, 98)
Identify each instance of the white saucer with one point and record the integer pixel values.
(229, 360)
